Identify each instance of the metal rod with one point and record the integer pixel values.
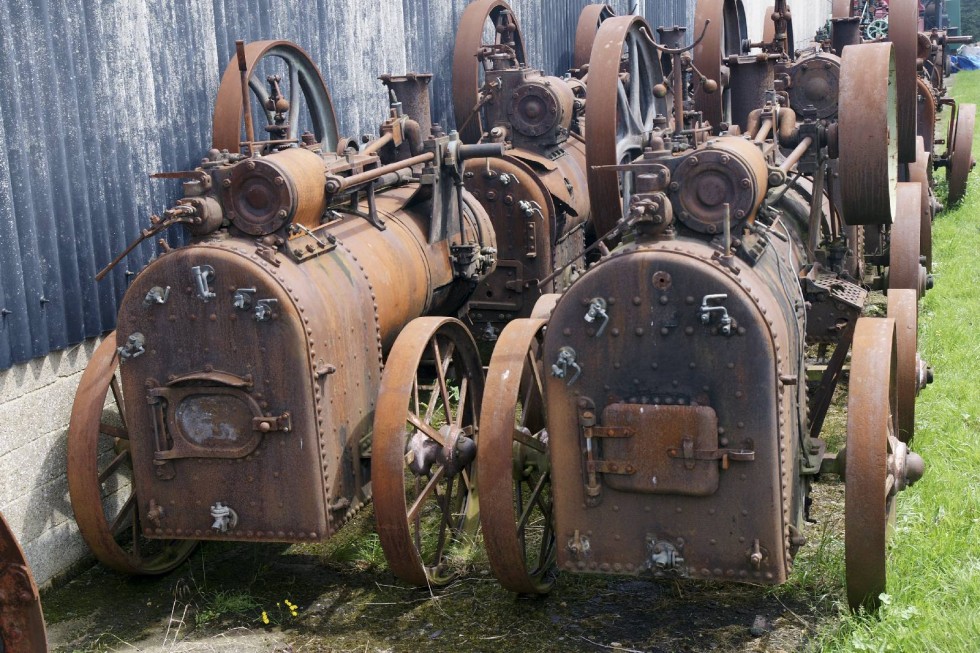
(797, 154)
(728, 229)
(340, 184)
(377, 144)
(764, 129)
(246, 105)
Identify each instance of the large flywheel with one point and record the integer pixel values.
(623, 69)
(426, 429)
(905, 269)
(100, 475)
(589, 22)
(867, 134)
(960, 159)
(514, 463)
(912, 374)
(285, 92)
(919, 173)
(724, 38)
(903, 32)
(471, 53)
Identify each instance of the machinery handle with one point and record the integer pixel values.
(481, 151)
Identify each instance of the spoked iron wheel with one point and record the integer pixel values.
(468, 70)
(961, 157)
(621, 114)
(905, 269)
(302, 89)
(869, 492)
(426, 430)
(866, 134)
(514, 465)
(723, 38)
(903, 307)
(589, 22)
(21, 620)
(100, 476)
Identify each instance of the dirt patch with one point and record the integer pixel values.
(316, 598)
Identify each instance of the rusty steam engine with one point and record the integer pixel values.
(657, 418)
(669, 251)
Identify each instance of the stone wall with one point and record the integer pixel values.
(35, 402)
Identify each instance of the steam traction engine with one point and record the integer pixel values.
(247, 365)
(536, 193)
(653, 418)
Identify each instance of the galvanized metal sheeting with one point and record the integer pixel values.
(98, 95)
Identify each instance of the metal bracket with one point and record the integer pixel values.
(597, 311)
(691, 456)
(707, 309)
(203, 276)
(265, 309)
(566, 360)
(134, 347)
(157, 295)
(270, 423)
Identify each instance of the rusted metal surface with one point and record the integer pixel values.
(867, 134)
(723, 38)
(904, 251)
(919, 173)
(622, 111)
(589, 21)
(426, 434)
(926, 112)
(467, 78)
(842, 8)
(635, 491)
(960, 159)
(516, 504)
(903, 32)
(21, 620)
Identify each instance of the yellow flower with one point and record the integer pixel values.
(265, 618)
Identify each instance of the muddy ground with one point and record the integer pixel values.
(340, 597)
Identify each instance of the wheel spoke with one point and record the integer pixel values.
(427, 429)
(113, 431)
(529, 441)
(114, 465)
(294, 96)
(413, 512)
(120, 521)
(532, 501)
(442, 366)
(117, 397)
(263, 97)
(460, 412)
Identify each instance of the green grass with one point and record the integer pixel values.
(933, 600)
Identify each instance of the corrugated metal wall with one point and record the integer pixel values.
(97, 95)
